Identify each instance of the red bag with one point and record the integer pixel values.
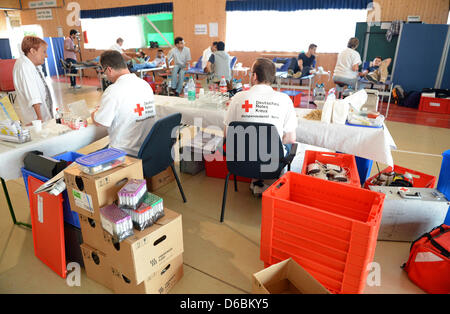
(428, 265)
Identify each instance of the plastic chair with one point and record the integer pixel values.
(244, 162)
(156, 151)
(197, 69)
(233, 63)
(6, 78)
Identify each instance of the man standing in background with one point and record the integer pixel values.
(70, 55)
(181, 56)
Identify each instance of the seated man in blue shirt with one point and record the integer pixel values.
(303, 65)
(378, 70)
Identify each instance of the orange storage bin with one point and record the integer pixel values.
(434, 105)
(420, 180)
(348, 162)
(329, 228)
(217, 168)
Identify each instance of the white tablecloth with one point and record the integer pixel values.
(12, 154)
(369, 143)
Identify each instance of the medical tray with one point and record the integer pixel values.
(101, 161)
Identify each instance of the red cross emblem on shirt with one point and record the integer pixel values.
(404, 189)
(247, 106)
(139, 110)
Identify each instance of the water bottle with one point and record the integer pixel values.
(191, 89)
(58, 116)
(223, 85)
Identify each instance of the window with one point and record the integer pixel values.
(291, 31)
(136, 31)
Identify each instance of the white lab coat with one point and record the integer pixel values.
(262, 104)
(30, 90)
(127, 108)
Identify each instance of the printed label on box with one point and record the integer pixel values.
(83, 200)
(40, 209)
(107, 225)
(166, 255)
(103, 182)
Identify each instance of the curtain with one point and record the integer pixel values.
(295, 5)
(127, 11)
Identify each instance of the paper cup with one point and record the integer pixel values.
(37, 124)
(201, 91)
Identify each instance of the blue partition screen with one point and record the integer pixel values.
(5, 49)
(419, 56)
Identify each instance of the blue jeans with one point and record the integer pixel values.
(73, 79)
(140, 66)
(353, 83)
(178, 78)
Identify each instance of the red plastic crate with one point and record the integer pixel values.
(218, 168)
(435, 105)
(420, 180)
(329, 228)
(296, 97)
(348, 162)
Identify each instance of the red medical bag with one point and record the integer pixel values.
(428, 265)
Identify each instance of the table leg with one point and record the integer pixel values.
(11, 209)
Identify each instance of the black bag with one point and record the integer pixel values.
(154, 44)
(412, 100)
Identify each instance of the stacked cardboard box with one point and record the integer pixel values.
(150, 261)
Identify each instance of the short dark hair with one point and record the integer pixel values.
(73, 32)
(160, 50)
(178, 39)
(119, 40)
(265, 70)
(215, 43)
(112, 59)
(220, 46)
(353, 43)
(378, 58)
(312, 46)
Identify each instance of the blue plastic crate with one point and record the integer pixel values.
(69, 216)
(444, 180)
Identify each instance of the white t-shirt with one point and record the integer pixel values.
(205, 57)
(127, 108)
(346, 60)
(30, 90)
(116, 47)
(262, 104)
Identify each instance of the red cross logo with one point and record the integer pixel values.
(404, 189)
(139, 110)
(247, 106)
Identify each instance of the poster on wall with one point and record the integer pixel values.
(44, 14)
(201, 29)
(213, 29)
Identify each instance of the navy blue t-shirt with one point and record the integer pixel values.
(307, 62)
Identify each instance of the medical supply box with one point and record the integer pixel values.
(410, 212)
(101, 161)
(88, 193)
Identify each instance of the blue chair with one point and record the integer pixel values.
(233, 63)
(244, 162)
(156, 151)
(197, 70)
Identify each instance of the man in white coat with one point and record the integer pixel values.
(127, 107)
(34, 98)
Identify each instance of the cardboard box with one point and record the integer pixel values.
(286, 277)
(88, 193)
(97, 265)
(140, 255)
(161, 179)
(161, 281)
(92, 232)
